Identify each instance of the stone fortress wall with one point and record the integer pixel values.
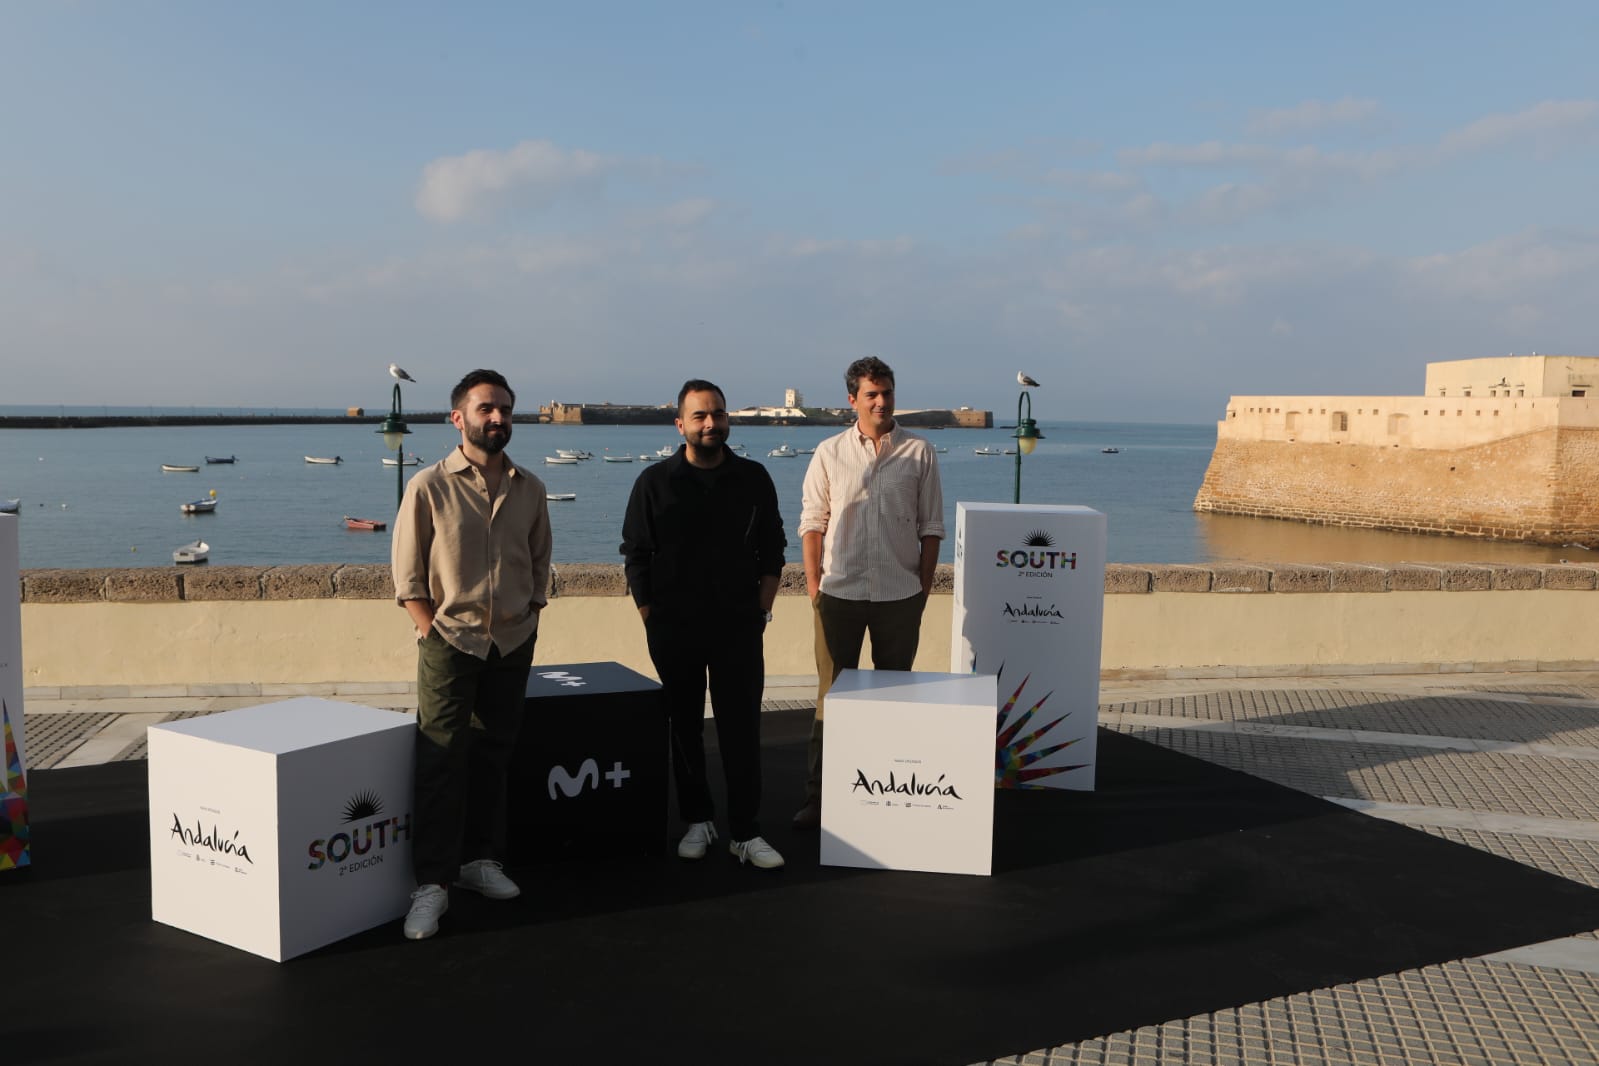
(1505, 448)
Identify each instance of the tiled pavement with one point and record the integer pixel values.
(1508, 763)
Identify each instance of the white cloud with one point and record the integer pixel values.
(1551, 117)
(454, 187)
(1312, 115)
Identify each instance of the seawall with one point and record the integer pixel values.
(1540, 486)
(277, 631)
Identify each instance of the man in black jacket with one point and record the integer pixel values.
(703, 543)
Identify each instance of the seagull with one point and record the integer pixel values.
(399, 374)
(1025, 381)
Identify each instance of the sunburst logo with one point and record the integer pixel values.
(1039, 539)
(1014, 753)
(363, 805)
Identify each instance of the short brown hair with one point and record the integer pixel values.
(473, 380)
(869, 367)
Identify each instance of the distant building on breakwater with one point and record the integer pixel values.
(1503, 448)
(793, 412)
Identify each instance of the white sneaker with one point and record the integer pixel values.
(427, 903)
(486, 877)
(756, 852)
(696, 840)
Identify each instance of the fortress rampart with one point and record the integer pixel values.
(1510, 459)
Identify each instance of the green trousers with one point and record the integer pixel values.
(468, 713)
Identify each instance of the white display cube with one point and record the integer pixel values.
(280, 828)
(1029, 607)
(908, 772)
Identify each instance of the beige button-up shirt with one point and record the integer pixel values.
(872, 505)
(484, 563)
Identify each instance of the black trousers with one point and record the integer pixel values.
(731, 659)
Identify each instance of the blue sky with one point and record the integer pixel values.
(1147, 207)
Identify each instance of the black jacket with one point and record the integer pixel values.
(688, 539)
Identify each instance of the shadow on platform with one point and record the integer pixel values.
(1177, 888)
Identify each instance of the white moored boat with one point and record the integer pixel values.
(194, 552)
(198, 506)
(325, 460)
(176, 468)
(560, 460)
(782, 451)
(560, 497)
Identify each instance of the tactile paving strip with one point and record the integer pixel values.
(52, 737)
(141, 748)
(1467, 1012)
(1476, 781)
(1438, 716)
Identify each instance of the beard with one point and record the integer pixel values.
(491, 440)
(706, 441)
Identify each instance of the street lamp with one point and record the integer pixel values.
(1027, 437)
(394, 431)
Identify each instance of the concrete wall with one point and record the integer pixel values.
(242, 630)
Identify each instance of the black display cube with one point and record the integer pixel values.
(590, 771)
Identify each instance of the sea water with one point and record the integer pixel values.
(98, 497)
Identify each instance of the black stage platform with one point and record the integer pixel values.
(1176, 889)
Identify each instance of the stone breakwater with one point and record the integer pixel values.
(373, 581)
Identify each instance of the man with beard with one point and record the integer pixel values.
(471, 565)
(703, 543)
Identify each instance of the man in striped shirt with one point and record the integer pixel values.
(871, 519)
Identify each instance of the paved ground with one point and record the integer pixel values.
(1508, 763)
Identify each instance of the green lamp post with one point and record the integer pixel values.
(394, 431)
(1027, 437)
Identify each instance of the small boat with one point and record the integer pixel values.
(176, 468)
(560, 497)
(782, 451)
(617, 458)
(804, 451)
(985, 450)
(649, 457)
(667, 452)
(195, 552)
(323, 460)
(1009, 451)
(11, 506)
(198, 507)
(560, 460)
(368, 524)
(212, 460)
(573, 453)
(1110, 451)
(409, 460)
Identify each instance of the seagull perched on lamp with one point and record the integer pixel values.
(399, 374)
(1025, 382)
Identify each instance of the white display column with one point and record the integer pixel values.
(14, 795)
(1029, 607)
